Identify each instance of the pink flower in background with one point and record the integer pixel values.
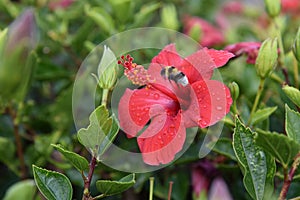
(171, 107)
(209, 35)
(53, 5)
(207, 183)
(290, 6)
(250, 49)
(234, 7)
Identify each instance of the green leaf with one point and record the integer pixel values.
(101, 18)
(52, 185)
(22, 190)
(100, 133)
(258, 166)
(262, 114)
(223, 146)
(79, 162)
(292, 125)
(283, 148)
(108, 187)
(293, 94)
(145, 13)
(7, 149)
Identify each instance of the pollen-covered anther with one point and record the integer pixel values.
(137, 74)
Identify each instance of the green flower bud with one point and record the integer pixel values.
(16, 57)
(273, 7)
(293, 94)
(196, 32)
(234, 90)
(266, 60)
(169, 17)
(296, 46)
(107, 69)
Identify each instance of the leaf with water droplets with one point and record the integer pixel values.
(258, 166)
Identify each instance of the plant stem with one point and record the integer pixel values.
(289, 177)
(151, 188)
(88, 179)
(104, 97)
(296, 71)
(258, 94)
(170, 190)
(20, 153)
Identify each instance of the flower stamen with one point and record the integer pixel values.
(137, 74)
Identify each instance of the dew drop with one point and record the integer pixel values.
(147, 93)
(159, 137)
(219, 108)
(218, 98)
(161, 142)
(213, 94)
(156, 96)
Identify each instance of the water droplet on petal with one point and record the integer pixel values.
(156, 96)
(213, 93)
(159, 137)
(218, 98)
(219, 108)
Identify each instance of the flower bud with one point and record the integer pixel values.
(293, 94)
(16, 57)
(169, 17)
(234, 90)
(273, 7)
(296, 46)
(267, 58)
(107, 69)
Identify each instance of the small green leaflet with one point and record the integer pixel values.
(109, 188)
(79, 162)
(100, 133)
(292, 124)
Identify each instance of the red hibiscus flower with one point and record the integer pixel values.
(249, 48)
(209, 35)
(171, 107)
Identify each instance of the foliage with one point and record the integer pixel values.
(59, 159)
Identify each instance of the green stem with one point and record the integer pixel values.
(104, 97)
(296, 71)
(151, 188)
(256, 101)
(99, 196)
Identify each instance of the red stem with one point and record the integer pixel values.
(88, 180)
(18, 144)
(289, 177)
(170, 190)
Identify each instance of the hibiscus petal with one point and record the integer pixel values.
(164, 137)
(198, 66)
(168, 56)
(210, 102)
(136, 107)
(220, 57)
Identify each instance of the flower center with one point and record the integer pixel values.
(137, 74)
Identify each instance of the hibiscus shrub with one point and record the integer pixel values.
(219, 122)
